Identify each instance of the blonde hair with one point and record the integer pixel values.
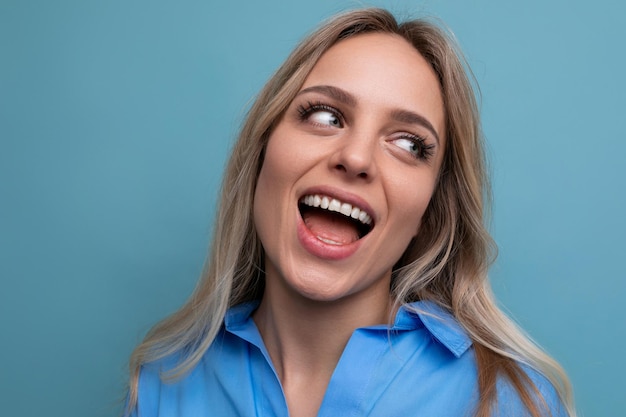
(446, 263)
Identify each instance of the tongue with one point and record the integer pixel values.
(331, 227)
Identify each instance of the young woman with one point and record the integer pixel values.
(347, 274)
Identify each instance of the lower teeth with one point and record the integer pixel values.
(330, 242)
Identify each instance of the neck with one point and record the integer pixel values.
(304, 336)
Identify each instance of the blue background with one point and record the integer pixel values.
(115, 121)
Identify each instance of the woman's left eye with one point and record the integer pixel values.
(415, 145)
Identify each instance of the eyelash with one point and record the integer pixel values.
(425, 151)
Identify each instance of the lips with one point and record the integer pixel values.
(333, 223)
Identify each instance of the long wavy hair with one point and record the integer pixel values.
(446, 263)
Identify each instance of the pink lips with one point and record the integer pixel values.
(322, 249)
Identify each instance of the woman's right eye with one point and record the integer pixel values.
(321, 115)
(325, 118)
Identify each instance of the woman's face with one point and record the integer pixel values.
(350, 169)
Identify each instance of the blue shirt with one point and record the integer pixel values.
(423, 365)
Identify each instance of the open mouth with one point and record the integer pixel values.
(333, 221)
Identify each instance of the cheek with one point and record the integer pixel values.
(272, 188)
(275, 168)
(282, 157)
(412, 206)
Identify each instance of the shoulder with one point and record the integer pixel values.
(452, 337)
(177, 383)
(165, 387)
(542, 391)
(151, 384)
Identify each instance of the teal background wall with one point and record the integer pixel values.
(115, 121)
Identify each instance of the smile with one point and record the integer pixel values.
(333, 221)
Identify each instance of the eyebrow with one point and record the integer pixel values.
(332, 92)
(399, 115)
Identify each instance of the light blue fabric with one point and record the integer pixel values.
(423, 366)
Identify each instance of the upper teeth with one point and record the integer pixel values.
(332, 204)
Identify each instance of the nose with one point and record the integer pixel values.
(355, 157)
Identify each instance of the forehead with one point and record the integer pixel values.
(384, 70)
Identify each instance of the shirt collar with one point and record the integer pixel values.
(440, 323)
